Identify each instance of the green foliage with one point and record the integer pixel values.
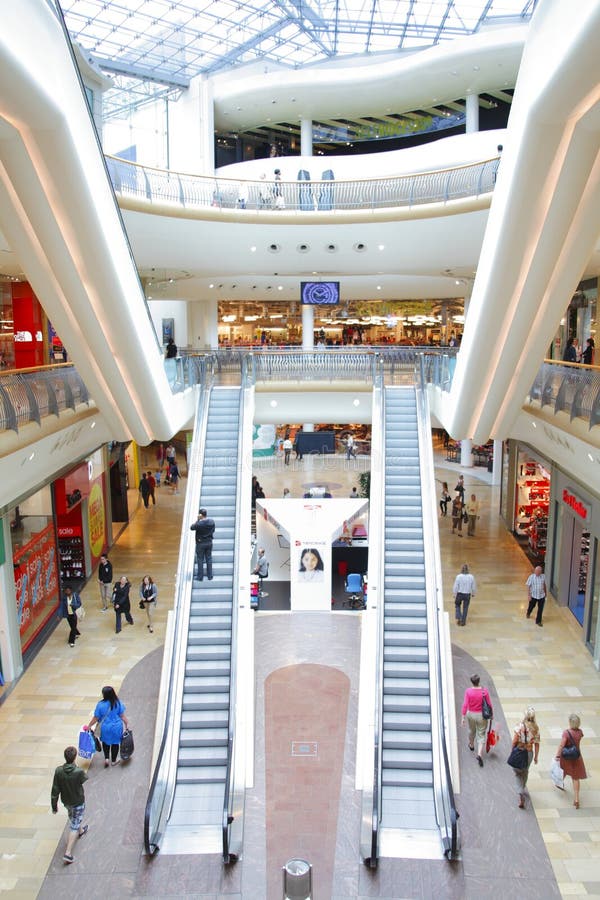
(364, 480)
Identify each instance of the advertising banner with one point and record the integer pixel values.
(36, 583)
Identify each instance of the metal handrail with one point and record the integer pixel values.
(230, 855)
(29, 395)
(372, 809)
(160, 794)
(196, 192)
(446, 812)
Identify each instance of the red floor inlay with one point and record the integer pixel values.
(305, 705)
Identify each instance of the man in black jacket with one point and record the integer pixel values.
(68, 785)
(105, 577)
(204, 528)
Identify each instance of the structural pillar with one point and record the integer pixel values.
(472, 111)
(497, 466)
(308, 327)
(466, 457)
(306, 137)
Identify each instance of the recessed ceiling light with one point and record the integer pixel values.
(274, 403)
(279, 287)
(252, 249)
(356, 402)
(381, 246)
(360, 247)
(378, 287)
(211, 285)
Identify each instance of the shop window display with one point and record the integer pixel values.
(531, 508)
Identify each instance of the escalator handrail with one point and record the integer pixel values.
(370, 850)
(154, 830)
(445, 805)
(227, 817)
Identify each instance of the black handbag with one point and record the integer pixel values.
(519, 758)
(97, 742)
(570, 751)
(486, 710)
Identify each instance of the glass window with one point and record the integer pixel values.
(592, 635)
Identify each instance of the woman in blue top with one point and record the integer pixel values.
(110, 712)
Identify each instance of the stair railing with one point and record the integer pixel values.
(162, 786)
(440, 685)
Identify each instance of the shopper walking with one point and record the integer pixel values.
(148, 598)
(587, 357)
(205, 529)
(460, 488)
(110, 712)
(152, 487)
(464, 588)
(472, 511)
(350, 447)
(573, 764)
(536, 594)
(121, 602)
(69, 604)
(457, 514)
(105, 577)
(67, 786)
(472, 710)
(144, 489)
(444, 499)
(287, 450)
(527, 737)
(174, 477)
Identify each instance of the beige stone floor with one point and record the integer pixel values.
(548, 667)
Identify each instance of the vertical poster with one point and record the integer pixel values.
(168, 330)
(310, 573)
(36, 583)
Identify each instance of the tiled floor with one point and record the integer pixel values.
(547, 667)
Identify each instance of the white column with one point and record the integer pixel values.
(466, 457)
(308, 340)
(497, 467)
(472, 110)
(10, 640)
(308, 327)
(203, 323)
(192, 130)
(306, 137)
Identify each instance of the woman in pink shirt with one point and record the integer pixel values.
(472, 709)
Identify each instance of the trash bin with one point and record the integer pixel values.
(297, 880)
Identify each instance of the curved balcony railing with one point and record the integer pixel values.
(196, 192)
(29, 395)
(570, 388)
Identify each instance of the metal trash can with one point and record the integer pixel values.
(297, 880)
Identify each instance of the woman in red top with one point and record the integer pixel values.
(472, 709)
(573, 767)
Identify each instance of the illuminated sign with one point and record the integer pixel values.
(575, 504)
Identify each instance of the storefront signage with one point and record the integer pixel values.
(67, 531)
(575, 504)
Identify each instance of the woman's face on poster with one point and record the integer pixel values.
(309, 561)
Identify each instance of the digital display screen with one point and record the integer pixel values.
(320, 293)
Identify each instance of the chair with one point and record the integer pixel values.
(261, 578)
(353, 587)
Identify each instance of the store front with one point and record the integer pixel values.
(575, 549)
(80, 499)
(531, 503)
(35, 564)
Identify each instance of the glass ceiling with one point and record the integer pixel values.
(154, 47)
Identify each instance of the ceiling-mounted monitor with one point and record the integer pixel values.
(320, 293)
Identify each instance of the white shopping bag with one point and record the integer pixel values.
(557, 775)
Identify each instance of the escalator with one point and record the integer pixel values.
(184, 813)
(413, 803)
